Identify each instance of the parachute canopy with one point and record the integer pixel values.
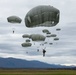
(26, 44)
(37, 37)
(45, 42)
(45, 31)
(28, 40)
(58, 29)
(14, 19)
(50, 43)
(53, 35)
(48, 33)
(42, 15)
(25, 36)
(56, 39)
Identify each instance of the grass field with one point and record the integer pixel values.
(36, 72)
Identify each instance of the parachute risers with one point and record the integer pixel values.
(42, 15)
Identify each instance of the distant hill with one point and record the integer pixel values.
(20, 63)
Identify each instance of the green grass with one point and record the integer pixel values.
(36, 72)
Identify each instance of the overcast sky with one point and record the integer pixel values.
(61, 52)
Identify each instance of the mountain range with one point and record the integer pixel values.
(21, 63)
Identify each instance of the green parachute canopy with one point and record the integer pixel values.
(58, 29)
(45, 31)
(37, 37)
(14, 19)
(27, 40)
(50, 43)
(45, 42)
(56, 39)
(48, 33)
(53, 35)
(25, 36)
(42, 15)
(26, 44)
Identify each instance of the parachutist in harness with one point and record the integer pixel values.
(13, 31)
(37, 50)
(44, 51)
(27, 52)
